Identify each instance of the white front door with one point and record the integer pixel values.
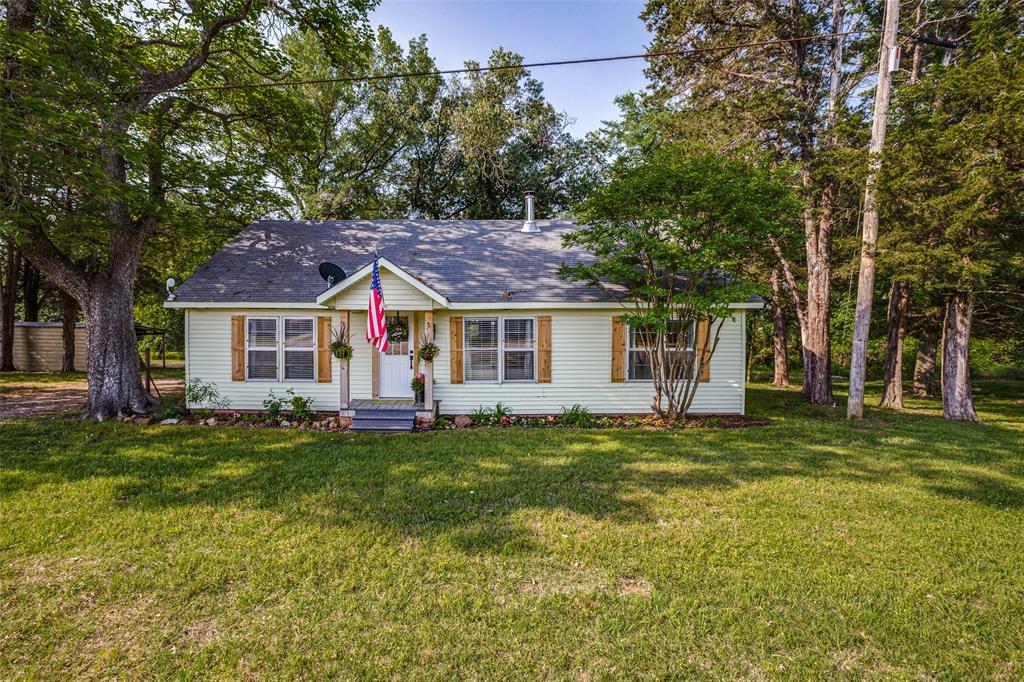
(395, 366)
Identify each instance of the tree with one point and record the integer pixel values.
(354, 136)
(71, 184)
(791, 99)
(670, 236)
(956, 184)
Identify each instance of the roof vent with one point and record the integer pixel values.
(530, 224)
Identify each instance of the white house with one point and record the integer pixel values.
(259, 317)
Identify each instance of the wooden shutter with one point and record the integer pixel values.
(456, 349)
(618, 350)
(238, 347)
(701, 346)
(544, 349)
(323, 349)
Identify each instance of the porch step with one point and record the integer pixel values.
(383, 421)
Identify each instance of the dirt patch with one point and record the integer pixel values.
(19, 400)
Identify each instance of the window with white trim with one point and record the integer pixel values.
(500, 349)
(519, 349)
(639, 358)
(480, 348)
(261, 348)
(299, 349)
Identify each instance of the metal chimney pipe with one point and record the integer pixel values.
(530, 224)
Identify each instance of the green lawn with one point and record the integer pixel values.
(808, 549)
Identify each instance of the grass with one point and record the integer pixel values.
(809, 549)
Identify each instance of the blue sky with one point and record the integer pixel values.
(540, 31)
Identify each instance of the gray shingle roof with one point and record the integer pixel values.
(465, 260)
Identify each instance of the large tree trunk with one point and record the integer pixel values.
(899, 306)
(115, 384)
(957, 399)
(69, 317)
(30, 286)
(924, 363)
(779, 337)
(8, 300)
(817, 339)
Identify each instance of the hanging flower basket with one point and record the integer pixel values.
(429, 351)
(398, 331)
(341, 350)
(340, 346)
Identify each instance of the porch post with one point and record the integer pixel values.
(343, 364)
(428, 375)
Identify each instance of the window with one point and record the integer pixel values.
(481, 348)
(261, 340)
(272, 342)
(519, 351)
(299, 349)
(500, 349)
(679, 339)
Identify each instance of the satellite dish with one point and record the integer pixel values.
(170, 284)
(331, 273)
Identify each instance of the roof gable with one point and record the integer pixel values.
(364, 272)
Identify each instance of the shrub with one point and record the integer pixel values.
(169, 410)
(202, 394)
(302, 407)
(482, 416)
(501, 412)
(578, 416)
(273, 405)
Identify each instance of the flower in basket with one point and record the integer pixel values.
(418, 383)
(340, 346)
(428, 350)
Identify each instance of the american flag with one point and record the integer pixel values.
(376, 324)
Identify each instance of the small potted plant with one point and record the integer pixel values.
(340, 346)
(417, 384)
(428, 350)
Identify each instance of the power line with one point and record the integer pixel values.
(508, 67)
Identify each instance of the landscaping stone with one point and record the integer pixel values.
(212, 421)
(169, 422)
(462, 421)
(286, 423)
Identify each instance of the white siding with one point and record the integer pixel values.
(398, 294)
(581, 342)
(208, 357)
(580, 366)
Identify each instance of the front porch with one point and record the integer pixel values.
(363, 406)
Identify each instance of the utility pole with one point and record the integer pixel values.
(887, 58)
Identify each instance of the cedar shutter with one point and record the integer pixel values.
(323, 349)
(618, 350)
(456, 349)
(238, 347)
(544, 349)
(702, 346)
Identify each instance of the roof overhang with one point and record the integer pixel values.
(399, 272)
(242, 305)
(467, 305)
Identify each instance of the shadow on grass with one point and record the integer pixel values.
(470, 484)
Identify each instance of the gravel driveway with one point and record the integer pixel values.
(28, 398)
